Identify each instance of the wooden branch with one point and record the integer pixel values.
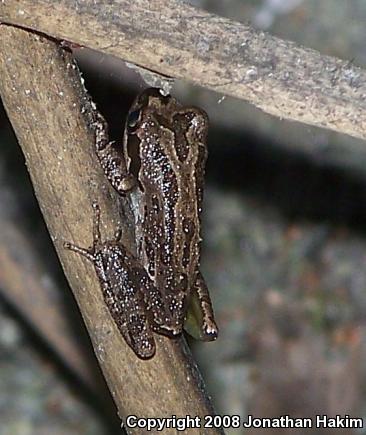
(178, 40)
(52, 116)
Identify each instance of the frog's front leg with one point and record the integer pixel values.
(200, 322)
(111, 160)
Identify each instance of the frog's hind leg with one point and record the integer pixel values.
(96, 226)
(128, 310)
(87, 253)
(200, 321)
(90, 252)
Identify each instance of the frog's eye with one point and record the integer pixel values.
(133, 119)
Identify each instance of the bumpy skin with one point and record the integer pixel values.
(165, 150)
(134, 303)
(122, 293)
(162, 169)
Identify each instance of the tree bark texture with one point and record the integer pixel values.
(178, 40)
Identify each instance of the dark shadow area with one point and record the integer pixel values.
(291, 181)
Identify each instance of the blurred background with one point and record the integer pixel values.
(284, 254)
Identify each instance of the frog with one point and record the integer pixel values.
(160, 169)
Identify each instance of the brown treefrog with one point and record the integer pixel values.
(161, 169)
